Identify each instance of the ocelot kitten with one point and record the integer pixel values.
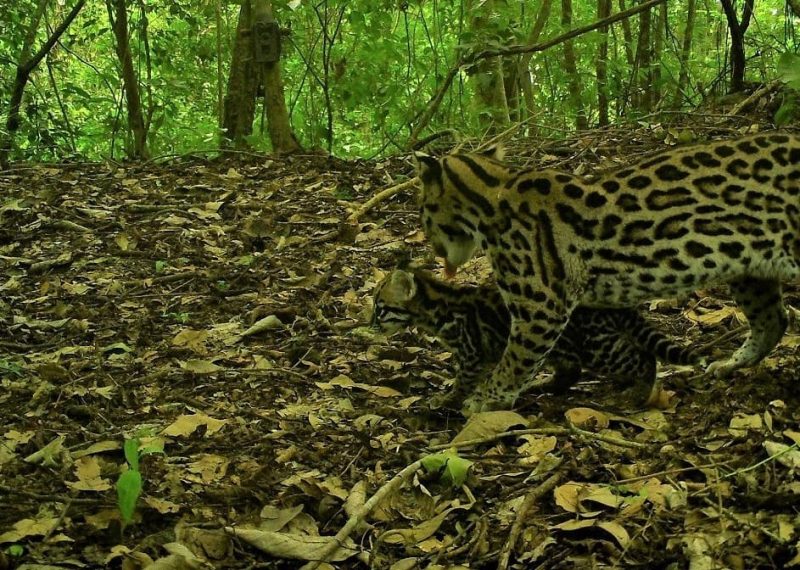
(472, 322)
(688, 217)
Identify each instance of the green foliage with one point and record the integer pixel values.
(129, 487)
(789, 73)
(15, 550)
(381, 64)
(452, 468)
(129, 484)
(10, 367)
(180, 317)
(789, 69)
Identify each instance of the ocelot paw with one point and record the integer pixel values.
(475, 404)
(721, 368)
(451, 400)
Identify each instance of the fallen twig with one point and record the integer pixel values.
(607, 438)
(527, 504)
(378, 198)
(67, 225)
(358, 517)
(497, 436)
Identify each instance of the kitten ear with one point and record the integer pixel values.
(496, 151)
(424, 164)
(403, 284)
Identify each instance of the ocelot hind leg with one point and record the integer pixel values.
(564, 359)
(636, 373)
(761, 302)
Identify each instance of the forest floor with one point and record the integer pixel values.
(214, 312)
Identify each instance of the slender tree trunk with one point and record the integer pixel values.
(737, 28)
(643, 63)
(245, 77)
(240, 98)
(686, 52)
(220, 80)
(25, 66)
(658, 48)
(118, 17)
(627, 35)
(526, 83)
(487, 74)
(280, 130)
(571, 67)
(601, 67)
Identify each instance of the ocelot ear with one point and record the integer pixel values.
(496, 151)
(403, 285)
(424, 164)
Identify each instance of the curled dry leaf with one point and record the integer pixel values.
(742, 423)
(786, 455)
(274, 519)
(616, 530)
(295, 547)
(571, 496)
(186, 425)
(420, 532)
(487, 424)
(587, 418)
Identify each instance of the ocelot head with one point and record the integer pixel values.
(447, 203)
(392, 300)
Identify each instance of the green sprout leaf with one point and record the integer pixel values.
(129, 487)
(131, 449)
(452, 469)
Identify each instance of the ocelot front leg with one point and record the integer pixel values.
(470, 368)
(535, 328)
(762, 304)
(469, 373)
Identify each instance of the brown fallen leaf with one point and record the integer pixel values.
(294, 547)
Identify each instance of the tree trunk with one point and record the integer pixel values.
(25, 66)
(118, 17)
(643, 63)
(658, 48)
(627, 35)
(737, 28)
(571, 68)
(525, 81)
(601, 67)
(220, 80)
(245, 77)
(240, 98)
(686, 52)
(487, 75)
(280, 130)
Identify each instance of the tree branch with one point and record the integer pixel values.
(31, 64)
(517, 49)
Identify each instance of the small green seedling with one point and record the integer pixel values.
(10, 367)
(15, 550)
(182, 318)
(129, 484)
(452, 469)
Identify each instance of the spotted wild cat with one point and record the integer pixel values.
(472, 322)
(688, 217)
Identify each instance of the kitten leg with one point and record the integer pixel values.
(535, 327)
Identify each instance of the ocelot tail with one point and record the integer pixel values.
(472, 322)
(688, 217)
